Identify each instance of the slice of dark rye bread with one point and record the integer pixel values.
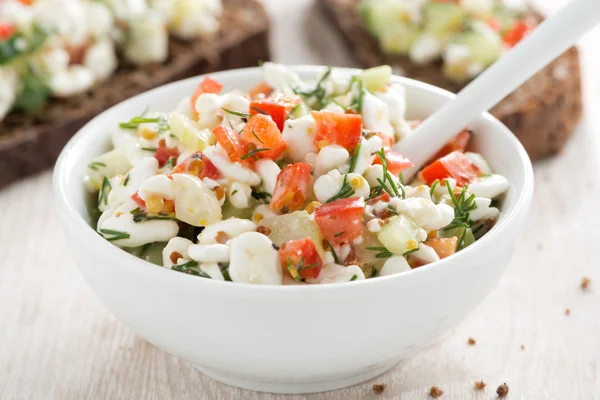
(31, 144)
(542, 113)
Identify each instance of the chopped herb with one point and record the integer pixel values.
(252, 153)
(234, 192)
(171, 162)
(354, 277)
(318, 93)
(116, 234)
(260, 111)
(357, 103)
(345, 192)
(237, 114)
(153, 149)
(296, 271)
(96, 212)
(333, 253)
(95, 165)
(392, 188)
(140, 216)
(383, 252)
(261, 195)
(433, 186)
(392, 209)
(401, 178)
(104, 190)
(462, 207)
(34, 94)
(354, 158)
(410, 251)
(190, 268)
(373, 272)
(257, 138)
(145, 249)
(134, 122)
(225, 271)
(126, 180)
(339, 234)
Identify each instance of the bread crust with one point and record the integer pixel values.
(542, 113)
(31, 144)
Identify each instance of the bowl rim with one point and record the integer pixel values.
(87, 233)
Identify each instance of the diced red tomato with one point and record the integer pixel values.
(516, 33)
(493, 23)
(459, 143)
(208, 85)
(300, 258)
(444, 247)
(231, 141)
(341, 220)
(6, 31)
(341, 129)
(138, 200)
(261, 90)
(396, 161)
(260, 132)
(278, 107)
(382, 197)
(197, 164)
(163, 154)
(291, 187)
(455, 165)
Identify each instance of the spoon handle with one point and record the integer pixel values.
(549, 40)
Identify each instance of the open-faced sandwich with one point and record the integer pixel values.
(449, 42)
(292, 182)
(64, 61)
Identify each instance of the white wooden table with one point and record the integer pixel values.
(58, 342)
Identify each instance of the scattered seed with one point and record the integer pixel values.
(585, 283)
(568, 312)
(379, 388)
(522, 347)
(264, 230)
(435, 392)
(471, 341)
(221, 237)
(480, 385)
(502, 390)
(174, 257)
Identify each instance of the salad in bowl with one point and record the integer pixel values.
(292, 183)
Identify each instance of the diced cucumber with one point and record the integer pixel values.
(399, 38)
(399, 235)
(112, 163)
(377, 79)
(468, 239)
(484, 50)
(443, 18)
(299, 111)
(229, 210)
(294, 226)
(189, 133)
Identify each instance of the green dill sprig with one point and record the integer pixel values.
(463, 205)
(152, 149)
(140, 216)
(95, 165)
(339, 234)
(171, 162)
(392, 209)
(382, 252)
(234, 192)
(257, 138)
(253, 152)
(190, 268)
(261, 195)
(136, 121)
(346, 191)
(318, 93)
(259, 110)
(225, 271)
(236, 113)
(126, 180)
(354, 158)
(357, 102)
(433, 186)
(392, 188)
(354, 277)
(333, 253)
(116, 235)
(296, 271)
(145, 249)
(104, 190)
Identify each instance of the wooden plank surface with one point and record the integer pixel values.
(58, 342)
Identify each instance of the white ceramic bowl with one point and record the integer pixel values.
(290, 339)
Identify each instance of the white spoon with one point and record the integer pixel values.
(549, 40)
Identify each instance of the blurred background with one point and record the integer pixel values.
(538, 331)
